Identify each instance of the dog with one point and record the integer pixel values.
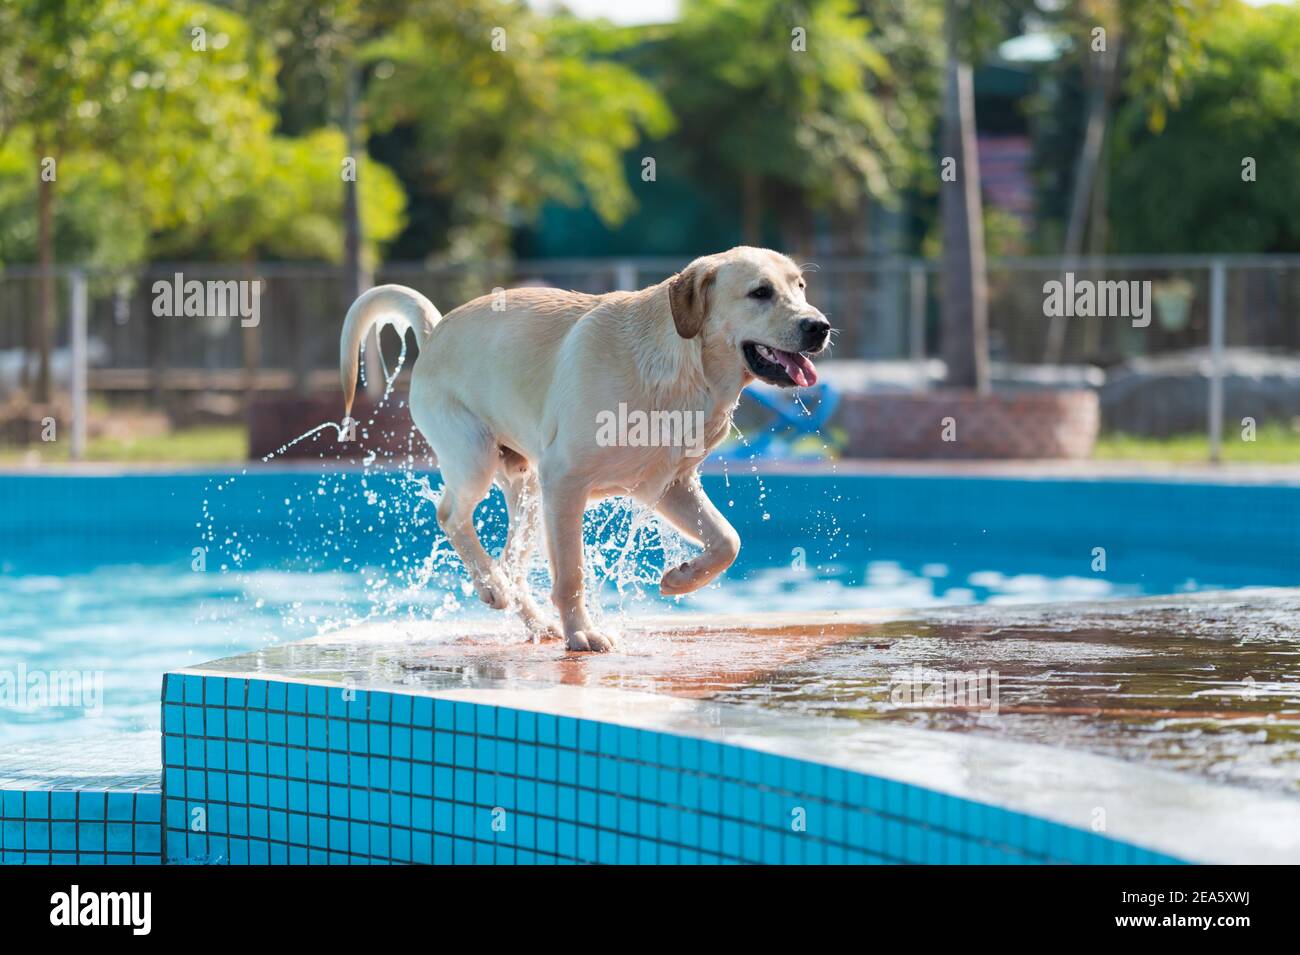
(510, 387)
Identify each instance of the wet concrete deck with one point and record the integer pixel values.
(1178, 716)
(1207, 684)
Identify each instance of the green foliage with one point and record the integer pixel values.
(834, 121)
(285, 200)
(120, 78)
(233, 152)
(96, 221)
(498, 133)
(1154, 48)
(314, 43)
(1163, 46)
(1182, 190)
(160, 117)
(981, 25)
(1004, 235)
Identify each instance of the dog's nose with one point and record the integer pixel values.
(815, 331)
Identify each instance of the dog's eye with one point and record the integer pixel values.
(763, 291)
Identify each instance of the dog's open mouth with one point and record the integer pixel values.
(788, 369)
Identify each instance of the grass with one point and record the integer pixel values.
(1273, 444)
(215, 444)
(226, 444)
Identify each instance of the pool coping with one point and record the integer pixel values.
(618, 793)
(1155, 809)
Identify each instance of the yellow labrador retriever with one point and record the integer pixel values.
(523, 388)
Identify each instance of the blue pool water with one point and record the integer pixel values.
(122, 577)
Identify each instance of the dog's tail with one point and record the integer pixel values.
(394, 305)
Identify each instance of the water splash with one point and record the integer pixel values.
(375, 527)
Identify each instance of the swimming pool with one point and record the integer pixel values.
(116, 578)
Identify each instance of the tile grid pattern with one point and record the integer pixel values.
(258, 771)
(80, 827)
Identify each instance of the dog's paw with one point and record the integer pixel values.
(590, 640)
(539, 628)
(683, 579)
(546, 632)
(539, 625)
(494, 590)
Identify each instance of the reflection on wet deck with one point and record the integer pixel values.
(691, 656)
(1207, 683)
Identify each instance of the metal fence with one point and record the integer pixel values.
(886, 310)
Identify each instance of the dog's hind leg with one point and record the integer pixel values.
(523, 504)
(467, 456)
(564, 498)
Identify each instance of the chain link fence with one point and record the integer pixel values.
(887, 313)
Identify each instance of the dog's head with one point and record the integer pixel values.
(750, 303)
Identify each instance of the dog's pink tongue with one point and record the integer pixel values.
(799, 368)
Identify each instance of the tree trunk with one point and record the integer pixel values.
(965, 289)
(1098, 227)
(796, 226)
(45, 289)
(1085, 172)
(356, 279)
(751, 208)
(1085, 176)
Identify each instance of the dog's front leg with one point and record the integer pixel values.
(563, 501)
(688, 508)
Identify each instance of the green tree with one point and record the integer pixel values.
(319, 47)
(964, 295)
(157, 121)
(283, 200)
(507, 110)
(96, 222)
(1143, 52)
(124, 79)
(798, 101)
(970, 30)
(1190, 187)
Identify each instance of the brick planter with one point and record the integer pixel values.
(276, 419)
(1013, 424)
(23, 424)
(1020, 424)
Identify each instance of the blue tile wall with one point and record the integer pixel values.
(80, 827)
(258, 771)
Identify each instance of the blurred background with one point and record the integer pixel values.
(935, 163)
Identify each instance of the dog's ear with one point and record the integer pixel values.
(688, 296)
